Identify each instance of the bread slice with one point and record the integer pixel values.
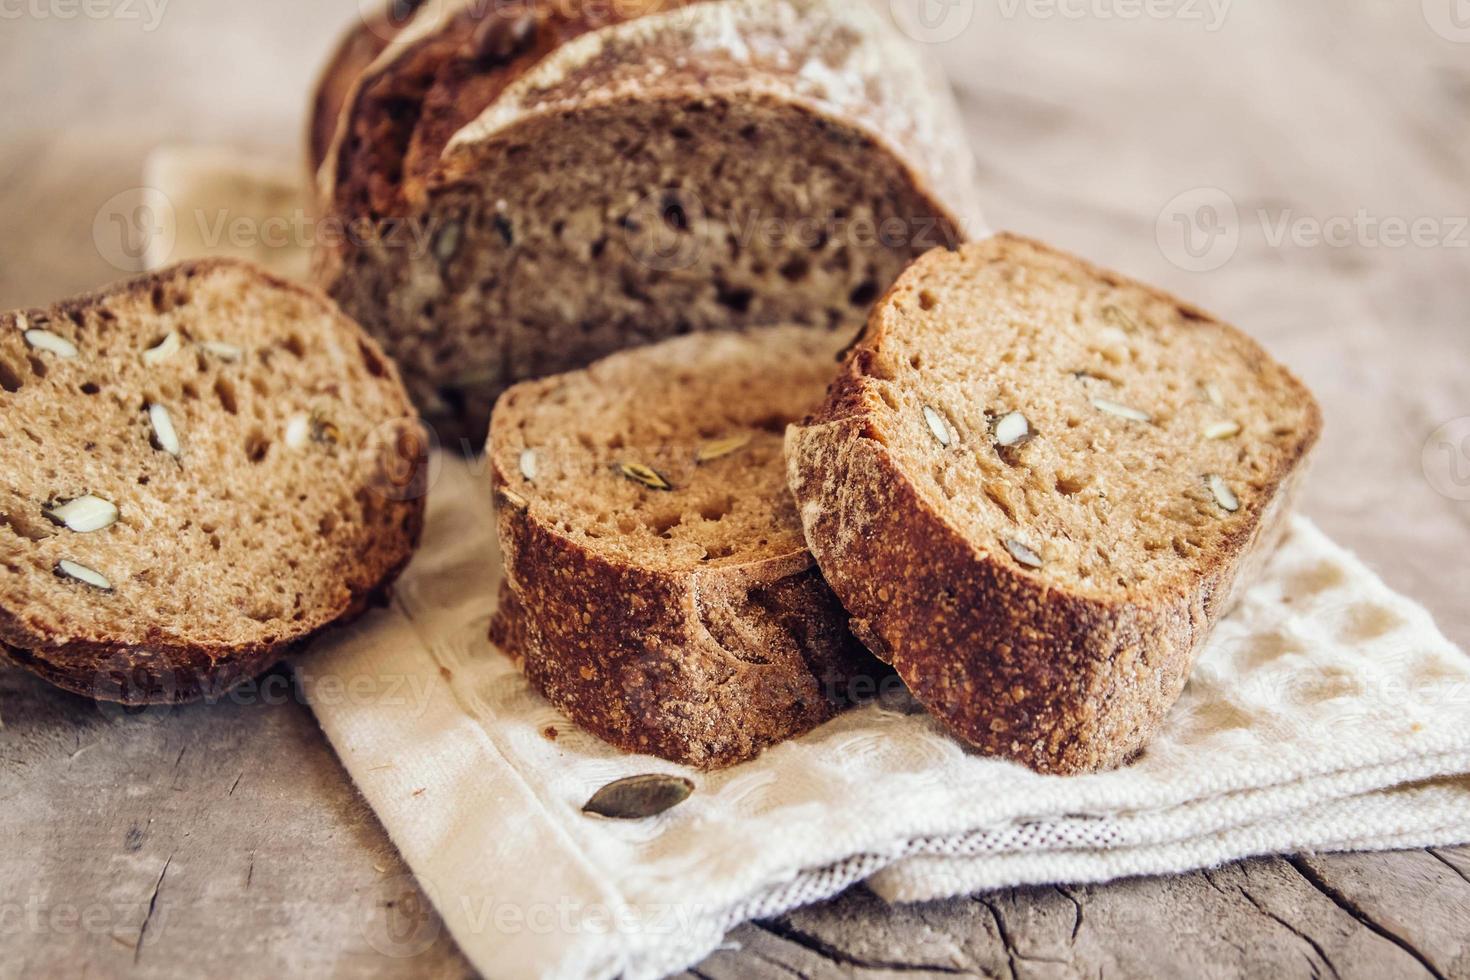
(660, 593)
(1037, 485)
(534, 186)
(203, 467)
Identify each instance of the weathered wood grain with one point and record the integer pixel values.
(228, 841)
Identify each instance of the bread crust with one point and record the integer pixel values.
(632, 654)
(107, 668)
(1062, 681)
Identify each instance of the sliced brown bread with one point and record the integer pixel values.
(1037, 485)
(542, 184)
(203, 467)
(659, 590)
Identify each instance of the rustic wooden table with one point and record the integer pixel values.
(1299, 167)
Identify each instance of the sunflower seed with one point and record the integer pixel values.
(1212, 392)
(67, 568)
(1023, 554)
(711, 451)
(163, 350)
(528, 465)
(221, 350)
(1119, 319)
(84, 515)
(1222, 430)
(324, 431)
(938, 426)
(639, 797)
(298, 431)
(645, 475)
(1121, 411)
(1013, 430)
(446, 243)
(21, 323)
(165, 436)
(47, 341)
(514, 499)
(1224, 496)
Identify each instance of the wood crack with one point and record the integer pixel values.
(784, 967)
(152, 907)
(1316, 946)
(1077, 911)
(1357, 912)
(784, 930)
(1005, 936)
(1460, 872)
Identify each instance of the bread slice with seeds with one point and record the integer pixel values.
(203, 467)
(659, 591)
(1037, 485)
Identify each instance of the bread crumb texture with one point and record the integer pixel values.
(203, 467)
(661, 592)
(1039, 481)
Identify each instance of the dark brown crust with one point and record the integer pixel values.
(357, 49)
(638, 657)
(1059, 681)
(107, 670)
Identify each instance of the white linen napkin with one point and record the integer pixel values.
(1327, 713)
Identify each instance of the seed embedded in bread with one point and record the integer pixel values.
(47, 341)
(1224, 496)
(528, 465)
(66, 568)
(225, 352)
(164, 349)
(1121, 411)
(84, 514)
(1024, 554)
(720, 448)
(165, 436)
(298, 431)
(938, 426)
(1013, 430)
(645, 475)
(1222, 430)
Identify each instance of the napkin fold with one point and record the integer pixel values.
(1326, 713)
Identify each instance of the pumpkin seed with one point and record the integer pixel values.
(83, 515)
(1119, 319)
(639, 797)
(938, 426)
(1024, 554)
(1121, 411)
(1224, 496)
(165, 437)
(1013, 430)
(66, 568)
(645, 475)
(47, 341)
(721, 447)
(163, 350)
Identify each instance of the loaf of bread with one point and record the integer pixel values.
(1037, 485)
(658, 589)
(204, 467)
(528, 187)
